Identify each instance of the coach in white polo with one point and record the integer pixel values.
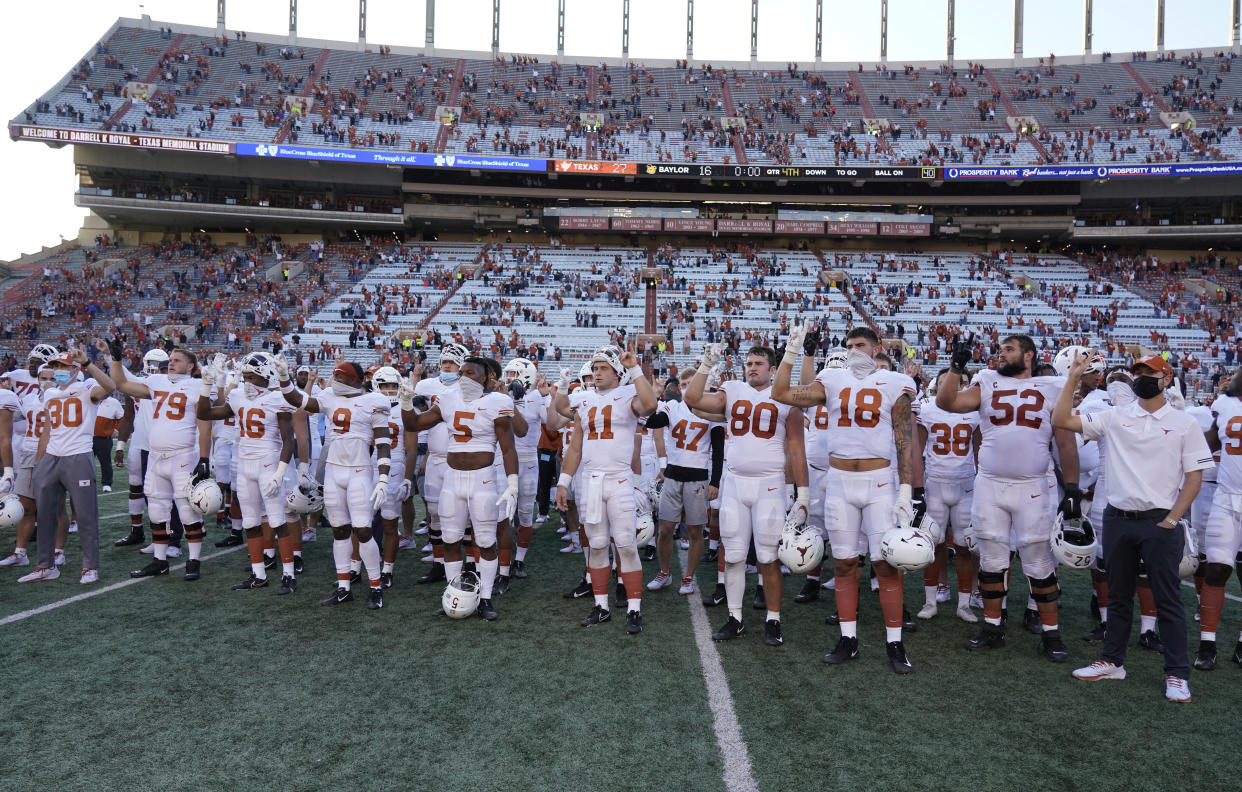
(1156, 458)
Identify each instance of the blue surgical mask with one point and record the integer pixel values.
(63, 377)
(447, 378)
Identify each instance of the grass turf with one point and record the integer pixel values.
(190, 685)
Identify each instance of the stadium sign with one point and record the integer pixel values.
(381, 157)
(729, 225)
(127, 139)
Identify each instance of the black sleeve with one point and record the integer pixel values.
(718, 441)
(657, 420)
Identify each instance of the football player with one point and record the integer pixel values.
(764, 437)
(25, 380)
(477, 421)
(528, 390)
(816, 423)
(387, 382)
(869, 418)
(179, 456)
(133, 441)
(1222, 541)
(1014, 499)
(452, 357)
(34, 416)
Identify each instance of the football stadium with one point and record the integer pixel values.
(766, 413)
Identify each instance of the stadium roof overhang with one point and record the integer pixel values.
(137, 211)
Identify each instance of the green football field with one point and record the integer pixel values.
(164, 684)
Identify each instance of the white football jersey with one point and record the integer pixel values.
(860, 411)
(817, 436)
(949, 453)
(396, 430)
(756, 430)
(351, 424)
(34, 418)
(1203, 414)
(258, 429)
(1015, 417)
(472, 425)
(140, 439)
(609, 422)
(688, 438)
(10, 401)
(22, 382)
(437, 437)
(1228, 412)
(534, 408)
(173, 424)
(71, 415)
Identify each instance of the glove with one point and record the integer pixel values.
(711, 355)
(1071, 505)
(305, 480)
(115, 349)
(517, 390)
(380, 493)
(791, 495)
(919, 503)
(563, 385)
(419, 402)
(507, 502)
(796, 516)
(793, 346)
(209, 379)
(404, 490)
(1173, 395)
(281, 364)
(6, 481)
(405, 395)
(810, 344)
(903, 509)
(201, 471)
(963, 352)
(271, 485)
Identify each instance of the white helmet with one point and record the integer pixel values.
(303, 501)
(386, 375)
(1190, 553)
(43, 352)
(259, 363)
(644, 529)
(968, 539)
(907, 548)
(929, 526)
(11, 509)
(154, 361)
(1066, 356)
(612, 356)
(461, 596)
(585, 372)
(1074, 542)
(205, 497)
(836, 358)
(523, 370)
(801, 548)
(454, 353)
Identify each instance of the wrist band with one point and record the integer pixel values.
(564, 480)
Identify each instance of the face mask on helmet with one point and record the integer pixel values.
(859, 363)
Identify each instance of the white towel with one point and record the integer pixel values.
(591, 504)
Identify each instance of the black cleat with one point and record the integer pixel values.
(288, 584)
(759, 602)
(251, 582)
(1150, 640)
(809, 592)
(434, 575)
(355, 575)
(338, 596)
(155, 568)
(845, 650)
(299, 565)
(232, 540)
(132, 538)
(502, 585)
(991, 636)
(716, 597)
(832, 619)
(648, 553)
(908, 624)
(583, 589)
(1052, 647)
(1097, 634)
(634, 622)
(709, 556)
(772, 632)
(375, 599)
(1205, 660)
(385, 580)
(1030, 620)
(897, 659)
(619, 598)
(731, 629)
(519, 570)
(192, 569)
(270, 561)
(1237, 653)
(598, 615)
(486, 611)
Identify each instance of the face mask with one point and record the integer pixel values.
(449, 378)
(63, 377)
(250, 390)
(1120, 393)
(1146, 387)
(177, 377)
(470, 390)
(672, 394)
(859, 363)
(341, 389)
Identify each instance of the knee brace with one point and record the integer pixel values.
(997, 578)
(1045, 583)
(1217, 574)
(194, 532)
(159, 532)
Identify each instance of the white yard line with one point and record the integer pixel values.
(1233, 597)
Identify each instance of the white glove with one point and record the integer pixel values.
(789, 496)
(563, 385)
(281, 364)
(1173, 395)
(711, 355)
(6, 481)
(271, 485)
(403, 491)
(793, 345)
(209, 380)
(305, 479)
(507, 502)
(380, 493)
(903, 509)
(405, 395)
(801, 508)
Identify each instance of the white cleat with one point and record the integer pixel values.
(942, 593)
(830, 584)
(308, 536)
(106, 488)
(39, 574)
(407, 543)
(928, 611)
(89, 576)
(967, 615)
(1102, 669)
(1176, 689)
(688, 586)
(58, 558)
(174, 551)
(15, 558)
(73, 526)
(660, 581)
(572, 547)
(148, 550)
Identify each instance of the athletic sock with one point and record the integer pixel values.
(892, 634)
(487, 576)
(774, 615)
(341, 551)
(849, 629)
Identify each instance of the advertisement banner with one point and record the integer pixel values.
(129, 139)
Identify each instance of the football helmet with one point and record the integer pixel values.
(801, 548)
(454, 353)
(929, 526)
(836, 358)
(585, 372)
(154, 361)
(522, 370)
(205, 497)
(11, 509)
(1074, 542)
(42, 353)
(644, 529)
(386, 375)
(612, 356)
(907, 548)
(303, 501)
(969, 541)
(461, 596)
(259, 363)
(1065, 358)
(1190, 553)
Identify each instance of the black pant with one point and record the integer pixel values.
(1127, 543)
(103, 452)
(548, 464)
